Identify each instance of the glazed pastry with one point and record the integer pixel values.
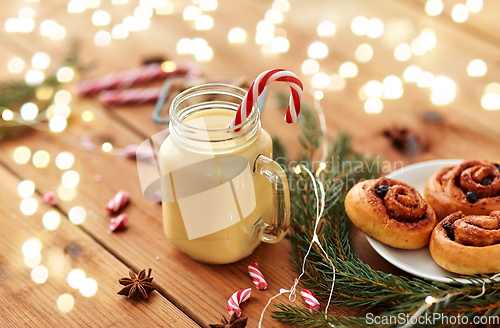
(472, 187)
(467, 244)
(391, 212)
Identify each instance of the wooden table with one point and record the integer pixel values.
(191, 294)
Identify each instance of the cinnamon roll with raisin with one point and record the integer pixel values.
(391, 212)
(467, 244)
(472, 187)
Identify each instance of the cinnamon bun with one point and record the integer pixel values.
(472, 187)
(467, 244)
(391, 212)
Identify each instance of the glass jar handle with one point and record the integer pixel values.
(281, 199)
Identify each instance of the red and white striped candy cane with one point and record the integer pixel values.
(49, 198)
(257, 88)
(118, 202)
(257, 276)
(129, 97)
(311, 301)
(233, 304)
(118, 223)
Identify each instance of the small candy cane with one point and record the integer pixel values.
(118, 202)
(257, 88)
(130, 97)
(257, 276)
(233, 304)
(136, 152)
(49, 198)
(311, 301)
(118, 223)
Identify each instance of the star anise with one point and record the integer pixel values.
(234, 322)
(139, 285)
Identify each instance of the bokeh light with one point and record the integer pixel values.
(29, 111)
(493, 87)
(102, 38)
(65, 160)
(65, 303)
(434, 7)
(88, 288)
(58, 34)
(75, 278)
(39, 274)
(204, 22)
(491, 101)
(22, 155)
(62, 97)
(87, 116)
(375, 28)
(26, 25)
(65, 193)
(460, 13)
(412, 73)
(310, 66)
(76, 6)
(32, 247)
(237, 35)
(427, 39)
(359, 25)
(402, 52)
(26, 188)
(191, 13)
(51, 220)
(477, 67)
(373, 105)
(119, 32)
(57, 124)
(320, 81)
(208, 5)
(319, 94)
(65, 74)
(280, 45)
(28, 206)
(77, 215)
(443, 90)
(348, 70)
(416, 48)
(326, 28)
(7, 115)
(101, 18)
(281, 5)
(44, 92)
(364, 53)
(183, 46)
(205, 54)
(393, 87)
(70, 179)
(274, 16)
(374, 89)
(41, 159)
(92, 3)
(15, 65)
(474, 6)
(317, 50)
(47, 27)
(12, 25)
(34, 77)
(337, 82)
(425, 79)
(34, 261)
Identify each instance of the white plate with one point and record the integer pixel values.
(417, 262)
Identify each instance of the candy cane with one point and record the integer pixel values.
(257, 276)
(257, 88)
(130, 97)
(233, 304)
(118, 223)
(49, 198)
(311, 301)
(118, 202)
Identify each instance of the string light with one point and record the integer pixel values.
(183, 46)
(77, 215)
(12, 25)
(51, 220)
(143, 11)
(107, 147)
(41, 159)
(167, 9)
(88, 287)
(57, 124)
(65, 303)
(47, 27)
(427, 39)
(434, 7)
(460, 13)
(26, 188)
(28, 206)
(70, 179)
(326, 28)
(75, 278)
(39, 274)
(477, 67)
(76, 6)
(374, 89)
(29, 111)
(166, 66)
(204, 54)
(87, 116)
(26, 25)
(237, 35)
(319, 94)
(393, 87)
(264, 37)
(491, 101)
(281, 5)
(58, 34)
(416, 48)
(15, 65)
(22, 155)
(34, 261)
(65, 160)
(26, 12)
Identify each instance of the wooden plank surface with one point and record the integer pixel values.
(28, 304)
(199, 290)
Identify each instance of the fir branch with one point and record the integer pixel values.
(279, 152)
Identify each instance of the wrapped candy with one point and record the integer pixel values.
(118, 223)
(118, 202)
